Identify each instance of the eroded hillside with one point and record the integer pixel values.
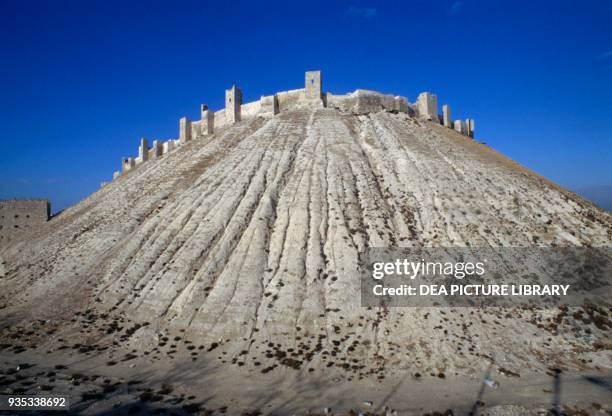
(247, 242)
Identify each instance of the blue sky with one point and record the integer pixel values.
(81, 81)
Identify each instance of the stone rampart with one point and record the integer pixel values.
(290, 99)
(357, 102)
(364, 102)
(250, 110)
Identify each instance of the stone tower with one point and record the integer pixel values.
(207, 123)
(158, 148)
(427, 106)
(446, 116)
(143, 150)
(313, 85)
(127, 164)
(461, 127)
(233, 101)
(184, 130)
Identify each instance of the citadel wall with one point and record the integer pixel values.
(312, 95)
(219, 119)
(20, 215)
(364, 102)
(268, 105)
(250, 110)
(290, 99)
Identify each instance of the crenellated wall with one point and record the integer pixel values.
(357, 102)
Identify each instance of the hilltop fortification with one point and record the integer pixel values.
(236, 249)
(359, 102)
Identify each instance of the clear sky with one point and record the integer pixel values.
(82, 81)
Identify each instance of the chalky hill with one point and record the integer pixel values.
(239, 246)
(18, 216)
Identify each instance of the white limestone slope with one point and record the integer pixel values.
(252, 236)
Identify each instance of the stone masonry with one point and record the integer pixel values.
(446, 116)
(460, 126)
(157, 149)
(20, 215)
(357, 102)
(268, 105)
(143, 150)
(313, 85)
(207, 123)
(471, 127)
(427, 106)
(127, 164)
(184, 130)
(233, 101)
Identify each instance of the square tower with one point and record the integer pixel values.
(446, 116)
(457, 125)
(127, 164)
(158, 148)
(427, 106)
(143, 150)
(461, 127)
(233, 102)
(207, 123)
(184, 130)
(313, 85)
(471, 127)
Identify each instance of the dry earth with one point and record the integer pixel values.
(235, 259)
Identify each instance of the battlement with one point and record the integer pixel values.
(20, 215)
(312, 95)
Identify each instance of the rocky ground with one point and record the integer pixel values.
(98, 386)
(229, 269)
